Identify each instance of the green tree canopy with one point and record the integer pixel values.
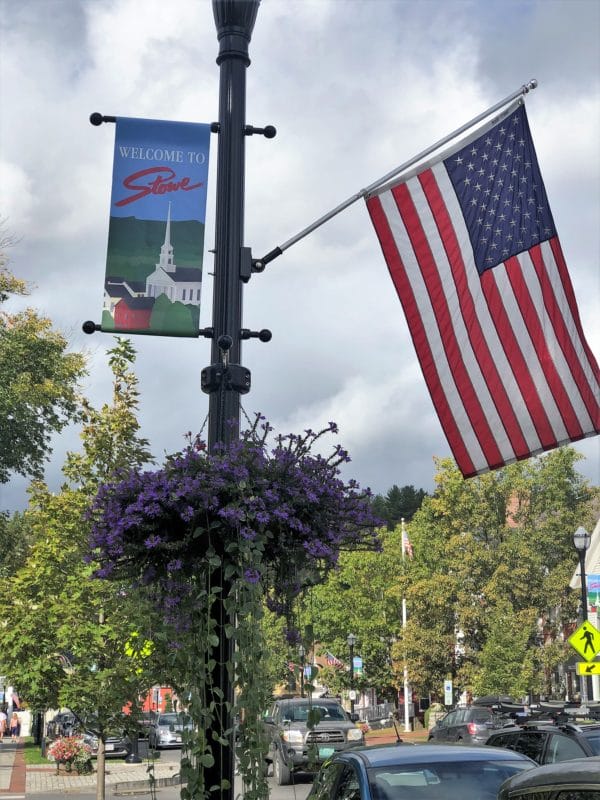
(38, 384)
(486, 592)
(63, 635)
(398, 504)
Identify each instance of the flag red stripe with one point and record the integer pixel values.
(454, 355)
(473, 326)
(562, 333)
(417, 332)
(540, 343)
(517, 361)
(570, 295)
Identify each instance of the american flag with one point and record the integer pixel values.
(472, 249)
(407, 547)
(332, 661)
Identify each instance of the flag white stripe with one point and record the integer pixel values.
(444, 372)
(565, 310)
(483, 313)
(471, 363)
(565, 373)
(534, 367)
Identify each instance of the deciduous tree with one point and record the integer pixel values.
(38, 384)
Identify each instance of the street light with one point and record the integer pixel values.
(351, 642)
(581, 540)
(301, 653)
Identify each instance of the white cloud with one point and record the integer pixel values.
(354, 89)
(18, 200)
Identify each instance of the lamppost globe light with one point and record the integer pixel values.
(581, 539)
(351, 640)
(301, 651)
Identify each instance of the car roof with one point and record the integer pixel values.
(392, 754)
(305, 701)
(563, 773)
(548, 725)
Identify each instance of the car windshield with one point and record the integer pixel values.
(300, 713)
(174, 719)
(467, 780)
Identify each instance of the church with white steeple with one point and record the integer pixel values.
(177, 283)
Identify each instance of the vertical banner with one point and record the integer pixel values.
(156, 233)
(593, 590)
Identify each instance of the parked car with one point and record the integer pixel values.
(547, 743)
(165, 730)
(116, 745)
(472, 725)
(417, 772)
(66, 723)
(572, 780)
(294, 746)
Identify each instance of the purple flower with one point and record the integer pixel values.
(288, 505)
(152, 541)
(252, 575)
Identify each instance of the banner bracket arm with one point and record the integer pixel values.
(97, 119)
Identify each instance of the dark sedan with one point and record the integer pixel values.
(417, 772)
(570, 780)
(547, 743)
(472, 725)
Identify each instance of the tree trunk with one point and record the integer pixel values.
(100, 770)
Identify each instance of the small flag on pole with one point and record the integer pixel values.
(407, 548)
(473, 252)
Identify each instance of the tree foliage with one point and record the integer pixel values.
(486, 592)
(38, 384)
(398, 504)
(63, 636)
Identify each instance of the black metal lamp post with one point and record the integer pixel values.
(226, 379)
(581, 540)
(351, 642)
(301, 653)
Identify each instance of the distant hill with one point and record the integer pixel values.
(134, 245)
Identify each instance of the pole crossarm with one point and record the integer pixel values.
(277, 251)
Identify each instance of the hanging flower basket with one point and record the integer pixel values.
(241, 526)
(278, 517)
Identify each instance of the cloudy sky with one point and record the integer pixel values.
(354, 88)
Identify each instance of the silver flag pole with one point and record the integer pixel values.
(259, 264)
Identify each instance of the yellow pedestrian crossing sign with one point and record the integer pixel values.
(588, 668)
(586, 640)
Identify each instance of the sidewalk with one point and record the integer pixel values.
(389, 735)
(18, 781)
